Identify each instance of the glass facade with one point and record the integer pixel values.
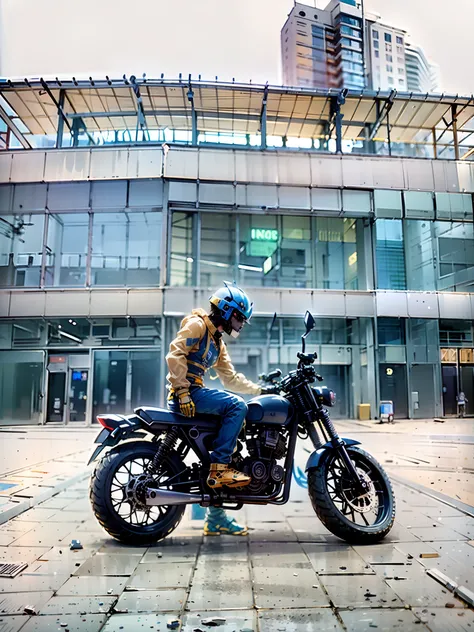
(267, 250)
(77, 249)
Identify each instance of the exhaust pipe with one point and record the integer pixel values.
(169, 497)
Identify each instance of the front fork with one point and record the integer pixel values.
(339, 447)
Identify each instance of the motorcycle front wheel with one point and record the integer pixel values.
(355, 518)
(124, 515)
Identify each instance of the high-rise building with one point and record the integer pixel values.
(422, 75)
(385, 55)
(329, 48)
(323, 48)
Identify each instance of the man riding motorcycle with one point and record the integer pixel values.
(198, 347)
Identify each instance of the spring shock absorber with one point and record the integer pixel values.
(327, 422)
(164, 448)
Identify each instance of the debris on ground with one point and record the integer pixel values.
(173, 624)
(443, 579)
(428, 556)
(449, 604)
(159, 554)
(29, 610)
(75, 545)
(465, 594)
(214, 621)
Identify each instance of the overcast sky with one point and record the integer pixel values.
(227, 38)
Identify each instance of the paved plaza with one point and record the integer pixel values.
(290, 573)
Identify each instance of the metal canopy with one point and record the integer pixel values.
(113, 105)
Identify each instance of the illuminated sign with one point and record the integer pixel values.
(352, 258)
(389, 371)
(264, 234)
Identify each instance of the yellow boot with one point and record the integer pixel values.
(222, 474)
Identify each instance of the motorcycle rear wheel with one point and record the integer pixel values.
(134, 524)
(357, 519)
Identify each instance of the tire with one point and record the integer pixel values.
(333, 518)
(101, 500)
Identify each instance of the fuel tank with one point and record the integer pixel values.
(269, 410)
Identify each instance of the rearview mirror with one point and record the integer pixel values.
(309, 322)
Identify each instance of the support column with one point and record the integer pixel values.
(59, 135)
(337, 116)
(263, 120)
(435, 143)
(455, 131)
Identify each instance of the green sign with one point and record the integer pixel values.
(264, 234)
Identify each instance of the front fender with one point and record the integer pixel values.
(317, 455)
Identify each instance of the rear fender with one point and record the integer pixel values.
(316, 457)
(121, 430)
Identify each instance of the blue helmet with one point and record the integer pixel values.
(230, 298)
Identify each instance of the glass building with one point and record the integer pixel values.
(107, 240)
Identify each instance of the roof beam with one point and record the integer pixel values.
(387, 106)
(14, 129)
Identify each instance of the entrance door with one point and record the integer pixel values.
(77, 400)
(393, 387)
(450, 387)
(56, 397)
(467, 386)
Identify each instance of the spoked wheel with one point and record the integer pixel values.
(359, 518)
(117, 493)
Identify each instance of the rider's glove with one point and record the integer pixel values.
(186, 404)
(269, 390)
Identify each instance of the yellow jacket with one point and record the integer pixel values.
(195, 350)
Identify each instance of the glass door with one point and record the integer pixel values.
(77, 396)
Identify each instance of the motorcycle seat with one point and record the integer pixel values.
(163, 415)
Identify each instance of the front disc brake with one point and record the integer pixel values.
(362, 503)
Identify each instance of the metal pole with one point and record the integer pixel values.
(59, 135)
(435, 144)
(263, 120)
(455, 132)
(388, 134)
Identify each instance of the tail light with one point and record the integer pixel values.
(105, 421)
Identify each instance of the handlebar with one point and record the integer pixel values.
(271, 378)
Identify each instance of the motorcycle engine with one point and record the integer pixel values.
(265, 448)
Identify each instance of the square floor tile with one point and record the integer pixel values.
(136, 623)
(11, 624)
(152, 601)
(75, 623)
(328, 559)
(151, 577)
(361, 591)
(282, 554)
(234, 620)
(428, 534)
(381, 554)
(307, 620)
(14, 603)
(446, 619)
(105, 564)
(21, 553)
(171, 554)
(383, 620)
(423, 591)
(62, 605)
(220, 586)
(32, 583)
(93, 586)
(281, 588)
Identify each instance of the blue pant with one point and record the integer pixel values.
(230, 408)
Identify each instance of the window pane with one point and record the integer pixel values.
(217, 261)
(336, 253)
(66, 249)
(455, 245)
(259, 240)
(21, 374)
(182, 255)
(390, 254)
(419, 255)
(21, 247)
(391, 331)
(126, 249)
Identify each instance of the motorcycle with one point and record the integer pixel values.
(140, 488)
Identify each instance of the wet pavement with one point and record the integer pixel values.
(290, 573)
